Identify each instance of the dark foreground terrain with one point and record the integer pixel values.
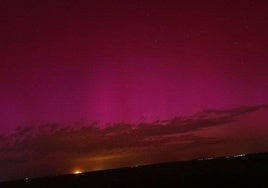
(246, 171)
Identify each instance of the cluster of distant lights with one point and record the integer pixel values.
(240, 155)
(233, 156)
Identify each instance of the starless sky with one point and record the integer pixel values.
(129, 61)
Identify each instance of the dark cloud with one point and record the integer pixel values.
(52, 137)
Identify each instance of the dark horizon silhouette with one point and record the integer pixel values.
(237, 171)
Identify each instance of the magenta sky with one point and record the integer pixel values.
(73, 62)
(131, 61)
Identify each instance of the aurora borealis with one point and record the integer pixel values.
(134, 63)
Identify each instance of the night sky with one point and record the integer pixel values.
(75, 73)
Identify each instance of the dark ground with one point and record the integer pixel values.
(248, 171)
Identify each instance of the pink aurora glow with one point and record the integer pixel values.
(135, 61)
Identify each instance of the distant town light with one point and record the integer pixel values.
(77, 172)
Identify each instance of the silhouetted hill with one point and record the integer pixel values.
(240, 171)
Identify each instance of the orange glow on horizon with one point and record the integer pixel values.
(77, 172)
